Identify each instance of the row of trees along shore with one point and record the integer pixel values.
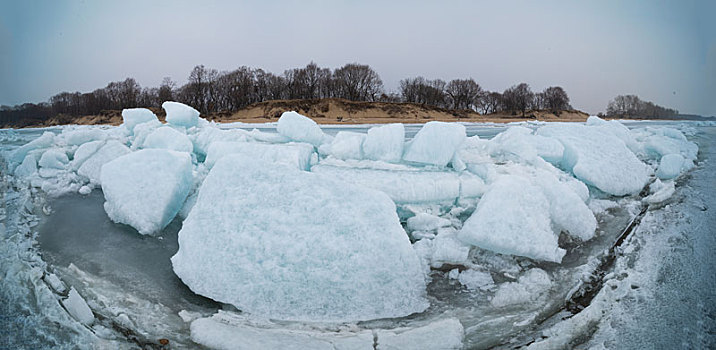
(211, 91)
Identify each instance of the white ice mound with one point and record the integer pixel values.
(520, 142)
(385, 143)
(435, 143)
(297, 155)
(346, 145)
(180, 114)
(599, 158)
(444, 334)
(300, 128)
(670, 166)
(54, 159)
(147, 188)
(283, 243)
(166, 137)
(94, 155)
(132, 117)
(82, 136)
(513, 218)
(78, 308)
(401, 186)
(528, 289)
(44, 141)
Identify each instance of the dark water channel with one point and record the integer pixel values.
(79, 232)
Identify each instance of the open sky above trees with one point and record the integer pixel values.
(663, 52)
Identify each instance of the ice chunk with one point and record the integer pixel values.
(180, 114)
(471, 186)
(167, 137)
(27, 167)
(670, 166)
(313, 248)
(599, 159)
(435, 143)
(521, 142)
(208, 135)
(426, 222)
(54, 159)
(617, 129)
(660, 191)
(476, 280)
(442, 334)
(528, 288)
(294, 154)
(83, 153)
(82, 136)
(385, 143)
(216, 333)
(44, 141)
(299, 128)
(663, 141)
(447, 249)
(567, 209)
(346, 145)
(513, 218)
(77, 307)
(401, 186)
(132, 117)
(85, 190)
(92, 167)
(146, 189)
(141, 131)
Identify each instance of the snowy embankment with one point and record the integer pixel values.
(328, 231)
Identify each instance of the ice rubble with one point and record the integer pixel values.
(299, 128)
(78, 308)
(385, 143)
(132, 117)
(298, 155)
(179, 114)
(166, 137)
(315, 248)
(435, 143)
(146, 189)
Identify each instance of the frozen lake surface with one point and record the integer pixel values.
(660, 291)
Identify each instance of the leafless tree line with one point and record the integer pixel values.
(210, 90)
(629, 106)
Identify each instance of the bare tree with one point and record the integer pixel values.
(518, 98)
(555, 99)
(357, 82)
(166, 90)
(463, 93)
(490, 102)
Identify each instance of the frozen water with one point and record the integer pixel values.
(528, 288)
(81, 136)
(27, 167)
(385, 143)
(299, 128)
(599, 158)
(91, 168)
(670, 166)
(476, 280)
(314, 248)
(513, 218)
(146, 189)
(345, 145)
(401, 186)
(132, 117)
(660, 191)
(78, 308)
(426, 222)
(293, 154)
(54, 159)
(442, 334)
(435, 143)
(179, 114)
(169, 138)
(44, 141)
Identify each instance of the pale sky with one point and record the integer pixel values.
(663, 51)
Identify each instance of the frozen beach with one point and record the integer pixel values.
(444, 235)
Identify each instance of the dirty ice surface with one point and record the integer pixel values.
(441, 235)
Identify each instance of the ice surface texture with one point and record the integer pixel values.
(147, 188)
(132, 117)
(299, 128)
(435, 143)
(179, 114)
(283, 243)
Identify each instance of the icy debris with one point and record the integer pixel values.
(180, 114)
(345, 145)
(435, 143)
(91, 168)
(528, 288)
(400, 186)
(476, 280)
(81, 136)
(44, 141)
(315, 248)
(141, 131)
(600, 206)
(297, 155)
(77, 307)
(27, 167)
(520, 142)
(617, 129)
(85, 190)
(146, 189)
(513, 218)
(166, 137)
(472, 186)
(55, 283)
(659, 142)
(426, 222)
(300, 128)
(189, 316)
(132, 117)
(204, 137)
(442, 334)
(216, 333)
(660, 191)
(599, 158)
(447, 249)
(671, 165)
(385, 143)
(54, 159)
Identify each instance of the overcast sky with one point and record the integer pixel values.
(664, 52)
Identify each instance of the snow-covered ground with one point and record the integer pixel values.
(292, 235)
